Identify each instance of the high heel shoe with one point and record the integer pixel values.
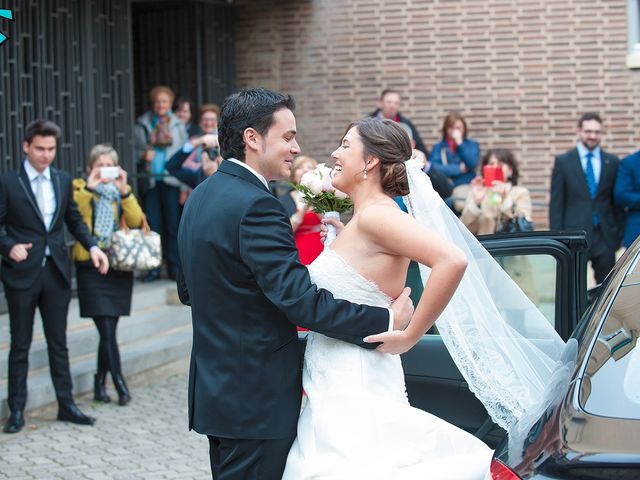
(99, 391)
(124, 396)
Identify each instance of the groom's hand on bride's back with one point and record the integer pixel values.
(402, 308)
(396, 341)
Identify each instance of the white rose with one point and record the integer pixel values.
(312, 181)
(327, 186)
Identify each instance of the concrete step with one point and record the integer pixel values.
(156, 333)
(82, 338)
(145, 295)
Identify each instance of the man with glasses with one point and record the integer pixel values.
(582, 195)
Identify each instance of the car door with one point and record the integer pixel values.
(550, 269)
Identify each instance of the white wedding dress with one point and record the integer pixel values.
(356, 422)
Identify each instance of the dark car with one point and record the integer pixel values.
(592, 429)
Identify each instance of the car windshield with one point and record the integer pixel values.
(611, 384)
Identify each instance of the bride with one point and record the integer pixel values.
(357, 422)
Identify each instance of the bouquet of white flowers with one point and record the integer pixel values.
(317, 191)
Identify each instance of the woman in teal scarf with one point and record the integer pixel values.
(103, 201)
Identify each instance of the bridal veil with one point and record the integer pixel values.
(507, 351)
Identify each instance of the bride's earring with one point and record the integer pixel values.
(365, 173)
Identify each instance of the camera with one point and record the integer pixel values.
(212, 152)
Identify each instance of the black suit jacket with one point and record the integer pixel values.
(247, 288)
(571, 205)
(22, 222)
(189, 177)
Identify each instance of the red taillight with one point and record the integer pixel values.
(499, 471)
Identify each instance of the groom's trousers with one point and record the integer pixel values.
(236, 459)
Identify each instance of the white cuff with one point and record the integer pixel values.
(188, 147)
(94, 247)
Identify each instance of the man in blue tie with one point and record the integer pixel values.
(582, 185)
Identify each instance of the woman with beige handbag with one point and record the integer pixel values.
(103, 199)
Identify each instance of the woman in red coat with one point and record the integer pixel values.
(305, 223)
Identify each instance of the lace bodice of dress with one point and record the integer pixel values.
(333, 273)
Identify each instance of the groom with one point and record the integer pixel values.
(248, 290)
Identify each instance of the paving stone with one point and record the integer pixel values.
(147, 439)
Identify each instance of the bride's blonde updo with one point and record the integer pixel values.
(387, 141)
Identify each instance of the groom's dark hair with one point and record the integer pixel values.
(253, 108)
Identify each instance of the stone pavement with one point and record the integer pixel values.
(147, 439)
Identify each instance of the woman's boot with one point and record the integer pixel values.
(123, 392)
(99, 392)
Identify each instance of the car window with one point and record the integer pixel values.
(534, 274)
(610, 386)
(536, 277)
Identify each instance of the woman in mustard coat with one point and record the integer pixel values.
(102, 199)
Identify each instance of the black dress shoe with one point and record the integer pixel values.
(15, 422)
(71, 413)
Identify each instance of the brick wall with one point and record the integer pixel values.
(521, 72)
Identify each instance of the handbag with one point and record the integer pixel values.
(135, 248)
(514, 225)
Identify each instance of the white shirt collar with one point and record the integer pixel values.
(582, 151)
(32, 173)
(260, 177)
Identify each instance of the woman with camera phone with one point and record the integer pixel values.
(103, 199)
(496, 199)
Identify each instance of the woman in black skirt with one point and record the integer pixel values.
(102, 198)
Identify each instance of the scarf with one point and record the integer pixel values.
(104, 222)
(453, 146)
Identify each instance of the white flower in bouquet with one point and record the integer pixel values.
(318, 192)
(313, 181)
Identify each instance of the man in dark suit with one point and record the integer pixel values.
(35, 203)
(582, 195)
(248, 289)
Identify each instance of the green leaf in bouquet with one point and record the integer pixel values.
(324, 202)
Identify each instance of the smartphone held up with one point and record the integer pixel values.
(109, 173)
(491, 173)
